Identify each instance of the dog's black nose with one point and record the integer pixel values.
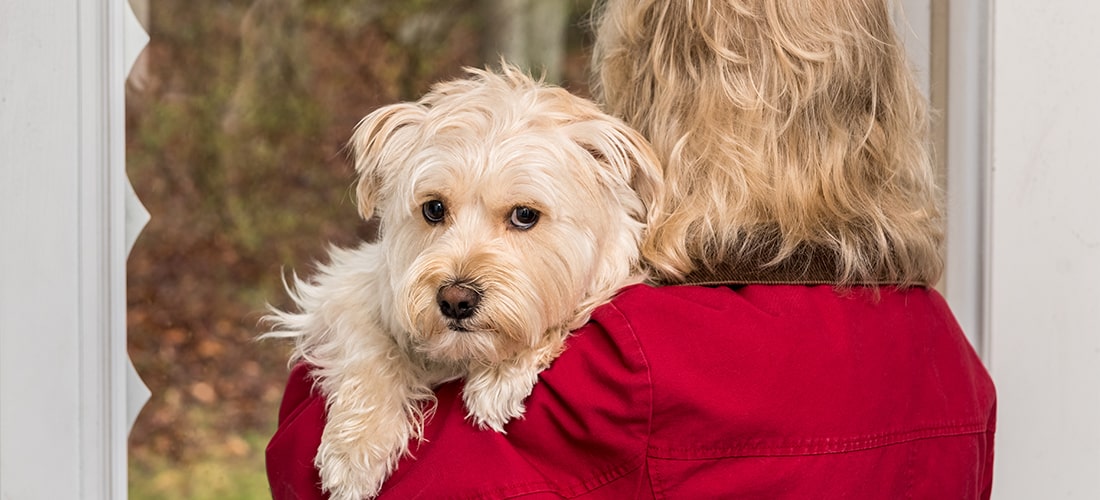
(457, 301)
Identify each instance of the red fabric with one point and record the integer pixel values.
(695, 392)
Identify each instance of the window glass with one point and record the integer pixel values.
(237, 116)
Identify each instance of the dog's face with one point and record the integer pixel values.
(508, 210)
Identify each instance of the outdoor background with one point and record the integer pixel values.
(237, 115)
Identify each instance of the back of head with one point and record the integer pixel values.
(788, 127)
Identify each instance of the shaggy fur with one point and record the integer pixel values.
(793, 126)
(508, 211)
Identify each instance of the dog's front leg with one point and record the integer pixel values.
(494, 394)
(374, 409)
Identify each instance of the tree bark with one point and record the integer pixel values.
(527, 33)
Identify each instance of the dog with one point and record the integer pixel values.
(508, 210)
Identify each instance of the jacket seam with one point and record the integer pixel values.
(649, 385)
(816, 446)
(618, 477)
(564, 490)
(599, 479)
(910, 471)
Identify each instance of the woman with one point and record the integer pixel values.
(796, 349)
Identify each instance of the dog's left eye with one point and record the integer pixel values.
(433, 211)
(523, 217)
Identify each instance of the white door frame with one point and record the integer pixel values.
(963, 111)
(68, 217)
(969, 167)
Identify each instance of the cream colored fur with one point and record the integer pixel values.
(370, 319)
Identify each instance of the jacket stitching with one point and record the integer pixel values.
(564, 490)
(816, 446)
(654, 477)
(910, 471)
(599, 479)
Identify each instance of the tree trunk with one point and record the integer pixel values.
(527, 33)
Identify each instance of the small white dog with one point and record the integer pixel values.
(509, 210)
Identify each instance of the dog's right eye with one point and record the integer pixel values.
(433, 211)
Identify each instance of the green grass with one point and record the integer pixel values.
(234, 471)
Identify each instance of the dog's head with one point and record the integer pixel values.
(508, 210)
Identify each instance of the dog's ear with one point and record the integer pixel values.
(380, 142)
(627, 157)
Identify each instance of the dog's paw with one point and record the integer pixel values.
(493, 414)
(351, 473)
(495, 397)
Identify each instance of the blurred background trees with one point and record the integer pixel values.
(237, 118)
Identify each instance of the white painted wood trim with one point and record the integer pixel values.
(965, 153)
(111, 217)
(99, 247)
(64, 396)
(969, 96)
(134, 41)
(914, 26)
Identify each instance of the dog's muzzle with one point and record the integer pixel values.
(457, 301)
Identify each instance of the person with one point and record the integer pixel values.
(795, 347)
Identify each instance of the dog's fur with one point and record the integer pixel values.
(371, 320)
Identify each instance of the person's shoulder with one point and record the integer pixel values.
(643, 297)
(747, 370)
(584, 428)
(646, 310)
(647, 292)
(766, 301)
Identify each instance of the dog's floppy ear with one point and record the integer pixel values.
(628, 159)
(381, 141)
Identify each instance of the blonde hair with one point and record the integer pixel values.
(788, 127)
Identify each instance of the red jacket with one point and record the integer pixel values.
(759, 391)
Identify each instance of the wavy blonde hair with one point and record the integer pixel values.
(788, 127)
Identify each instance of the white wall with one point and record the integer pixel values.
(1044, 300)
